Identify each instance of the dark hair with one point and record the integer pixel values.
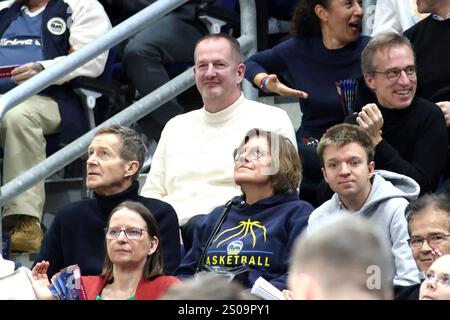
(132, 146)
(439, 201)
(304, 20)
(284, 157)
(154, 265)
(234, 44)
(342, 134)
(382, 41)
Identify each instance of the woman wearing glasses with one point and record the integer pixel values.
(325, 48)
(133, 267)
(254, 232)
(436, 285)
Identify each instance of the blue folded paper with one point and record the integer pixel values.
(67, 285)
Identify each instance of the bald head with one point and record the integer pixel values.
(436, 285)
(234, 46)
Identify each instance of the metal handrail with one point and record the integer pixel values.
(131, 114)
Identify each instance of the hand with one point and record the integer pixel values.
(39, 281)
(273, 84)
(371, 120)
(39, 272)
(436, 254)
(445, 107)
(287, 294)
(25, 72)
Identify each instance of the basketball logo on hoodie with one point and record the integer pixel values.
(242, 230)
(56, 26)
(234, 247)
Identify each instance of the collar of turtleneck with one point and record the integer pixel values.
(225, 114)
(439, 18)
(107, 203)
(389, 113)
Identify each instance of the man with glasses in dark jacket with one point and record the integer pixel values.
(429, 231)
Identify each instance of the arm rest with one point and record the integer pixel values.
(89, 90)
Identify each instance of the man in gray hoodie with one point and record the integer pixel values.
(380, 196)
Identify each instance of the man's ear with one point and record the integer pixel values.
(370, 81)
(371, 167)
(321, 12)
(324, 172)
(132, 168)
(241, 72)
(306, 288)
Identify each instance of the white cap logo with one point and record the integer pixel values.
(57, 26)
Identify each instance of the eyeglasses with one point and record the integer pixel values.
(255, 153)
(433, 240)
(130, 233)
(394, 74)
(442, 279)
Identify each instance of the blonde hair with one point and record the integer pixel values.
(343, 134)
(285, 159)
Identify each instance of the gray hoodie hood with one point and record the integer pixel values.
(385, 209)
(388, 185)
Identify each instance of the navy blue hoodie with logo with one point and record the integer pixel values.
(260, 235)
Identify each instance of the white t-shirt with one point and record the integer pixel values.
(14, 284)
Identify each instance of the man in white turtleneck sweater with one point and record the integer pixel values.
(192, 168)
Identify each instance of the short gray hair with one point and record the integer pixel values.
(132, 145)
(439, 201)
(381, 42)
